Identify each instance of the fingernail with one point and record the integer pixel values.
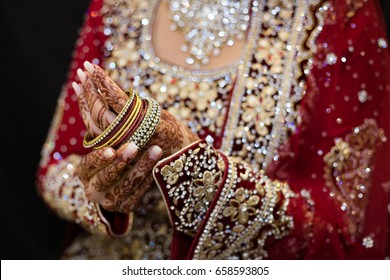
(89, 67)
(108, 153)
(76, 88)
(130, 151)
(81, 75)
(155, 152)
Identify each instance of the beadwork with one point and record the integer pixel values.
(209, 25)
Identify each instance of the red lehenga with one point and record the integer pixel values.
(294, 161)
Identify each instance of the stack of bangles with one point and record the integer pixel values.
(136, 123)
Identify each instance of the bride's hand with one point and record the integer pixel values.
(118, 179)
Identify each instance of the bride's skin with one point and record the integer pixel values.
(118, 179)
(167, 44)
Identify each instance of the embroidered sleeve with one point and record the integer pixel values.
(64, 192)
(229, 209)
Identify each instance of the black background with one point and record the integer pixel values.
(38, 37)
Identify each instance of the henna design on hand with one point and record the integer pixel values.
(109, 90)
(119, 186)
(132, 202)
(91, 127)
(148, 161)
(99, 112)
(93, 162)
(168, 134)
(109, 175)
(129, 186)
(98, 107)
(172, 135)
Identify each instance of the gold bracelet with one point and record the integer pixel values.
(148, 125)
(128, 123)
(112, 126)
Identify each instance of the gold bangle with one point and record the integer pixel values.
(148, 125)
(111, 127)
(128, 123)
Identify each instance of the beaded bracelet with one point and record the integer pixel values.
(136, 122)
(125, 127)
(90, 143)
(134, 127)
(148, 126)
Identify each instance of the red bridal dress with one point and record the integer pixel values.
(294, 157)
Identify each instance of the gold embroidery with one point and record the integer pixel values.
(266, 93)
(264, 100)
(241, 208)
(244, 219)
(196, 98)
(349, 165)
(192, 181)
(150, 241)
(205, 188)
(64, 192)
(263, 107)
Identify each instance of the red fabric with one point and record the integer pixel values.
(328, 87)
(368, 67)
(332, 95)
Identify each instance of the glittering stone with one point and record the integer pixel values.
(362, 96)
(368, 242)
(194, 18)
(145, 21)
(382, 43)
(331, 58)
(209, 139)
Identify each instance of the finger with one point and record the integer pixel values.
(112, 201)
(94, 161)
(140, 170)
(134, 183)
(109, 90)
(110, 174)
(92, 128)
(100, 113)
(133, 201)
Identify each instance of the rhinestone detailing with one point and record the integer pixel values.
(209, 25)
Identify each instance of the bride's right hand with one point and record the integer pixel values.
(116, 179)
(119, 183)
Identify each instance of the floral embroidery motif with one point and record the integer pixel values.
(349, 165)
(243, 103)
(241, 208)
(191, 181)
(212, 103)
(205, 189)
(244, 218)
(171, 173)
(267, 101)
